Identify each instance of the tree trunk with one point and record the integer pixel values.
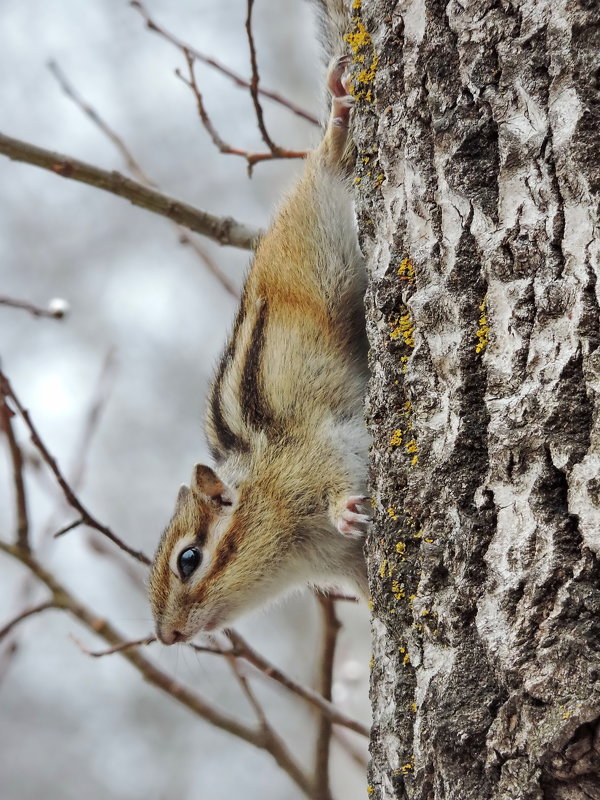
(479, 165)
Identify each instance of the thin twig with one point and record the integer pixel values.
(7, 391)
(91, 112)
(224, 230)
(71, 526)
(191, 83)
(6, 657)
(331, 626)
(186, 239)
(194, 702)
(135, 168)
(118, 648)
(18, 477)
(24, 615)
(242, 649)
(54, 310)
(238, 80)
(254, 81)
(100, 395)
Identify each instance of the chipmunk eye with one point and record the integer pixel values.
(188, 561)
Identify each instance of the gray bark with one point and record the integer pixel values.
(479, 165)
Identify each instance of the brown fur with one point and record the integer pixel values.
(284, 419)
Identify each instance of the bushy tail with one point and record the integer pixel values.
(334, 21)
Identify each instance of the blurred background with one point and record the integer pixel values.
(131, 363)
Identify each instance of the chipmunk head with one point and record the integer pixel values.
(206, 570)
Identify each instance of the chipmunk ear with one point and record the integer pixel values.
(182, 496)
(208, 484)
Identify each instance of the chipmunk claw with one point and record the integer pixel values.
(337, 81)
(350, 522)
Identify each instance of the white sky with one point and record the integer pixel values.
(71, 726)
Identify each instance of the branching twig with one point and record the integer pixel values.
(211, 62)
(7, 391)
(17, 464)
(194, 702)
(272, 741)
(247, 690)
(191, 83)
(331, 627)
(56, 309)
(191, 55)
(218, 141)
(224, 230)
(24, 615)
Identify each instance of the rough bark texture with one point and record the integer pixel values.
(478, 129)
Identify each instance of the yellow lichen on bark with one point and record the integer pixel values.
(484, 329)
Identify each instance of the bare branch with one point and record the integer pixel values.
(242, 649)
(56, 309)
(224, 230)
(17, 462)
(24, 615)
(211, 62)
(194, 702)
(331, 626)
(7, 391)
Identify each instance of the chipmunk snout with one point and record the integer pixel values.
(169, 635)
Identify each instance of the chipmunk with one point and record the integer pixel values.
(282, 507)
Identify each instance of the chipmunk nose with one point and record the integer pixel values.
(169, 635)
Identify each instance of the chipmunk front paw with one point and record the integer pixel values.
(348, 520)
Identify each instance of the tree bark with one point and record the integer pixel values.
(479, 179)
